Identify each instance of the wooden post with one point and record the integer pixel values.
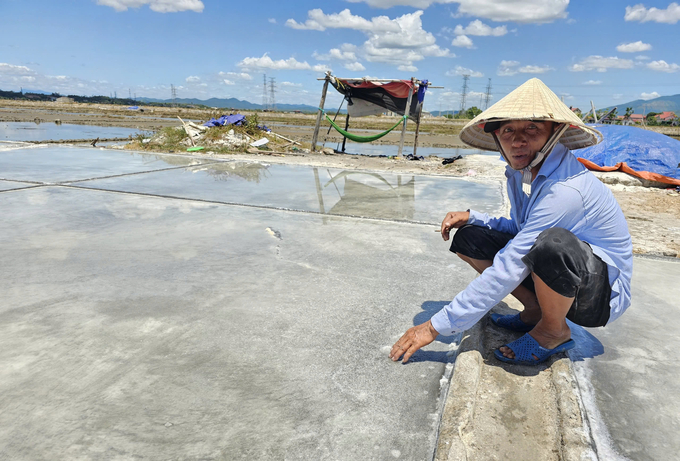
(420, 114)
(187, 131)
(320, 113)
(408, 108)
(346, 128)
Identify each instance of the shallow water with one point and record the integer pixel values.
(375, 150)
(330, 191)
(48, 131)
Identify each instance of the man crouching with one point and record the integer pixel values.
(564, 253)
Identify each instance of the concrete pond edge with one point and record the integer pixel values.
(575, 439)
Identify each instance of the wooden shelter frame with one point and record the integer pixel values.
(414, 82)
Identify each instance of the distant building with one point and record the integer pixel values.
(65, 100)
(666, 117)
(637, 118)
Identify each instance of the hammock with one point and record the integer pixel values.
(356, 138)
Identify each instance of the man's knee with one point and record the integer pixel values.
(552, 258)
(464, 236)
(553, 242)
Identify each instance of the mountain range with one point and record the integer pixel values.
(640, 106)
(233, 103)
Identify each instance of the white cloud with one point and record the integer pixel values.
(10, 69)
(480, 29)
(272, 20)
(343, 20)
(648, 96)
(601, 64)
(336, 53)
(593, 82)
(535, 69)
(459, 70)
(634, 47)
(408, 68)
(29, 79)
(663, 66)
(265, 62)
(354, 66)
(642, 58)
(507, 68)
(670, 15)
(228, 82)
(522, 11)
(159, 6)
(462, 41)
(399, 41)
(192, 79)
(239, 75)
(321, 68)
(617, 96)
(291, 84)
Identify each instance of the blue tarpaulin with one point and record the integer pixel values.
(234, 119)
(646, 153)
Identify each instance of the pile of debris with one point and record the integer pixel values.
(232, 132)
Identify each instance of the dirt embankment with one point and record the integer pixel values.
(653, 214)
(434, 132)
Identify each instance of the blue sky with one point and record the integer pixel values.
(607, 51)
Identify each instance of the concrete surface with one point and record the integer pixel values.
(170, 307)
(613, 399)
(141, 326)
(628, 372)
(8, 185)
(498, 411)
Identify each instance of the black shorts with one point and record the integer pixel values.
(559, 258)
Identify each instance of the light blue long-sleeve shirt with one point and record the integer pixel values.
(564, 194)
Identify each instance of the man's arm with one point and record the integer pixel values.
(422, 335)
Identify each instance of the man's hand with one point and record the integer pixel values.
(415, 338)
(454, 220)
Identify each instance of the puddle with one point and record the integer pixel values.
(54, 164)
(392, 149)
(320, 190)
(46, 131)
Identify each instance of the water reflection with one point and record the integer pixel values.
(368, 194)
(374, 150)
(252, 172)
(37, 131)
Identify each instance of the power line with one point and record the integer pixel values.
(173, 94)
(488, 95)
(272, 92)
(463, 95)
(264, 92)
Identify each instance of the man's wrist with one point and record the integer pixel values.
(433, 330)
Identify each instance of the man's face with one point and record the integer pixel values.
(522, 139)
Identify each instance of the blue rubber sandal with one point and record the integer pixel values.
(511, 322)
(526, 347)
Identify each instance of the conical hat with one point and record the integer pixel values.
(531, 101)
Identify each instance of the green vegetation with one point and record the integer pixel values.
(469, 114)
